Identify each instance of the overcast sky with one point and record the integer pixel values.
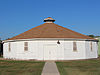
(18, 16)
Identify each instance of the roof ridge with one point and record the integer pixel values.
(74, 31)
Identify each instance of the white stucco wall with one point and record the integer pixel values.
(36, 50)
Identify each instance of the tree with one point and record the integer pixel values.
(91, 36)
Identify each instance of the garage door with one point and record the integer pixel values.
(50, 52)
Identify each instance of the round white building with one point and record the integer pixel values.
(50, 41)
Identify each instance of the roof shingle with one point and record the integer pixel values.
(50, 30)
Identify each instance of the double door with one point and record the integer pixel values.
(50, 52)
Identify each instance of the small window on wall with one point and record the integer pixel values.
(91, 46)
(9, 47)
(74, 46)
(97, 43)
(25, 46)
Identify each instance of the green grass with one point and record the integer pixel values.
(79, 67)
(9, 67)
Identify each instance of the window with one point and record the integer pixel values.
(91, 46)
(25, 46)
(74, 46)
(9, 48)
(97, 43)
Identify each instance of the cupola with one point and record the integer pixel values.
(49, 20)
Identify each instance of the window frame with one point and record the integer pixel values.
(74, 46)
(25, 46)
(9, 47)
(91, 46)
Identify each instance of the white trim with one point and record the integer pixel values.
(49, 22)
(67, 39)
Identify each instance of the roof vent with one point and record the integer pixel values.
(49, 20)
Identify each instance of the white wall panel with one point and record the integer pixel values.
(70, 54)
(36, 50)
(93, 53)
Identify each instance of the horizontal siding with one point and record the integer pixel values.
(70, 54)
(36, 50)
(93, 53)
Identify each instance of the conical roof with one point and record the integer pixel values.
(50, 30)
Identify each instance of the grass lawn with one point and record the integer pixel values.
(9, 67)
(79, 67)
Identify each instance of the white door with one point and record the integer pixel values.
(50, 52)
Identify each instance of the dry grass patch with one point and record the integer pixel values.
(79, 67)
(20, 67)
